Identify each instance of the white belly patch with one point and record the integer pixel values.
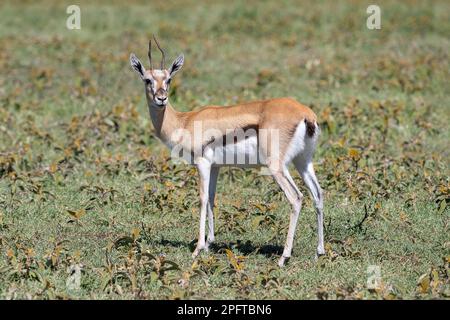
(244, 153)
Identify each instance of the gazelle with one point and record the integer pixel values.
(276, 132)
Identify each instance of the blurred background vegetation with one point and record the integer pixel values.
(84, 182)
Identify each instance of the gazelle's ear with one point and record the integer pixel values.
(176, 65)
(137, 65)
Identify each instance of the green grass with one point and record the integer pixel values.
(75, 136)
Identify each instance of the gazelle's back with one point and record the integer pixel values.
(278, 113)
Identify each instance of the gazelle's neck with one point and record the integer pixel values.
(165, 121)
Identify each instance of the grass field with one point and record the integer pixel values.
(85, 187)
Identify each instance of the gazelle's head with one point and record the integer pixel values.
(157, 81)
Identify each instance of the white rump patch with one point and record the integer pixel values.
(297, 144)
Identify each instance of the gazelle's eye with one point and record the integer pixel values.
(168, 81)
(148, 82)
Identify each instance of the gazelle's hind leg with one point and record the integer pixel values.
(305, 168)
(294, 196)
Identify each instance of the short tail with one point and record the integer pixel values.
(312, 128)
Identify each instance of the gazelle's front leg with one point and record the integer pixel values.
(212, 195)
(204, 170)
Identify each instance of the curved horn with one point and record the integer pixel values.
(150, 54)
(163, 61)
